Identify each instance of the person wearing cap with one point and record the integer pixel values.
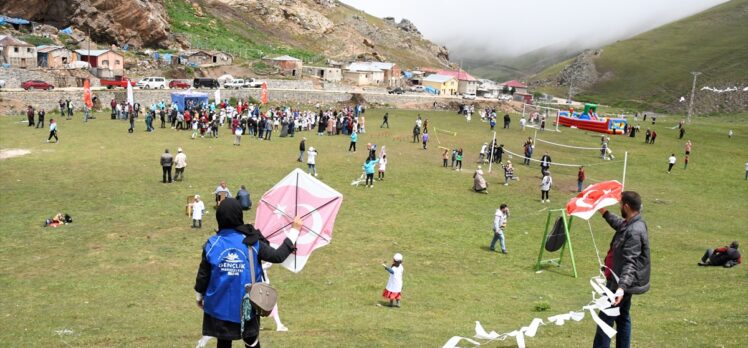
(166, 161)
(726, 256)
(180, 162)
(311, 160)
(395, 282)
(198, 209)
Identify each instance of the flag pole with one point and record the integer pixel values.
(625, 163)
(490, 158)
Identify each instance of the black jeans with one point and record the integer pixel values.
(178, 174)
(40, 124)
(53, 133)
(670, 167)
(385, 123)
(352, 146)
(544, 195)
(369, 179)
(166, 173)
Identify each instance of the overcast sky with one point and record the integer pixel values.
(503, 27)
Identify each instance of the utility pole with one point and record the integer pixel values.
(571, 87)
(693, 91)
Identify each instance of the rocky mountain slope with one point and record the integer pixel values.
(134, 22)
(312, 29)
(324, 27)
(653, 69)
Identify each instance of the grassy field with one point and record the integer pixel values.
(122, 274)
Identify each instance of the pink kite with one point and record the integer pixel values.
(594, 198)
(299, 194)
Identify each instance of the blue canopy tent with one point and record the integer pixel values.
(188, 98)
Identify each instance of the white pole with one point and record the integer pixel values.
(523, 110)
(625, 163)
(490, 158)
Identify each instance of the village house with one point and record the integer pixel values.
(487, 88)
(445, 84)
(54, 57)
(17, 53)
(324, 73)
(104, 63)
(467, 84)
(390, 72)
(200, 58)
(287, 65)
(363, 77)
(519, 87)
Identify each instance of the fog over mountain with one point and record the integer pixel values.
(477, 30)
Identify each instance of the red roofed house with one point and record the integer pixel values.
(467, 84)
(519, 87)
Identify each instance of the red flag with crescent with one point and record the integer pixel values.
(594, 198)
(87, 93)
(264, 93)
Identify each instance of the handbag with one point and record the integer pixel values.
(262, 296)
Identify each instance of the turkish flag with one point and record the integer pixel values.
(87, 93)
(594, 198)
(264, 93)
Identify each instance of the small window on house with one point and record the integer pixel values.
(15, 49)
(28, 49)
(116, 62)
(105, 62)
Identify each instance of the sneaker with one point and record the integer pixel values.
(281, 329)
(504, 252)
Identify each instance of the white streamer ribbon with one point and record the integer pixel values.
(602, 300)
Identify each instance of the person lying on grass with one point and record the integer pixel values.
(726, 256)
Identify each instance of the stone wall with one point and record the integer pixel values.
(57, 77)
(16, 101)
(290, 84)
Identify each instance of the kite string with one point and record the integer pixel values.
(568, 146)
(562, 164)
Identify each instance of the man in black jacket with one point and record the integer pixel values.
(166, 161)
(627, 266)
(302, 149)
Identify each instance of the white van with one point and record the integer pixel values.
(152, 82)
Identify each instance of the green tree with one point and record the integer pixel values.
(505, 90)
(514, 90)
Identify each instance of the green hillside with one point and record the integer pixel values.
(653, 68)
(520, 67)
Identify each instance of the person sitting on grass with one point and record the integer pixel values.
(222, 188)
(395, 283)
(57, 220)
(726, 256)
(243, 196)
(479, 183)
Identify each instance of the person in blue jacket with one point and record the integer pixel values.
(369, 169)
(223, 272)
(354, 139)
(243, 196)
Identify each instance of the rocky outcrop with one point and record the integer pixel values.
(134, 22)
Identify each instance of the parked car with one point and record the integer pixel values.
(178, 84)
(418, 88)
(205, 83)
(236, 84)
(468, 96)
(117, 81)
(152, 82)
(2, 83)
(396, 90)
(37, 84)
(505, 97)
(253, 83)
